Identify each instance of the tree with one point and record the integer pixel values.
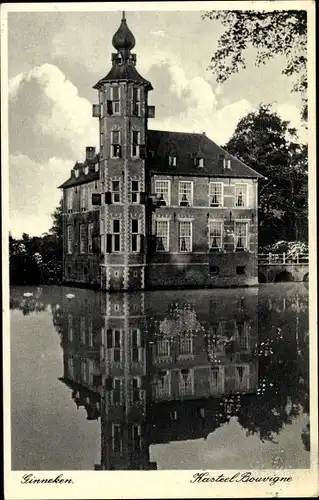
(57, 228)
(271, 33)
(266, 143)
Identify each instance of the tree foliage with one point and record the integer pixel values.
(266, 143)
(270, 33)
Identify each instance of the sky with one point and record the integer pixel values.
(55, 58)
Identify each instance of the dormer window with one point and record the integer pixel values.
(199, 162)
(228, 164)
(77, 172)
(86, 170)
(172, 161)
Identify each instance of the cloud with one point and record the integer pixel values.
(160, 33)
(292, 114)
(34, 192)
(46, 107)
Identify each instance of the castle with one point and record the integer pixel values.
(155, 209)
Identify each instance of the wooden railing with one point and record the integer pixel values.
(283, 258)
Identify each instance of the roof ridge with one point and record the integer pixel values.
(175, 132)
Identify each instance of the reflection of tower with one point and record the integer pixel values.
(124, 388)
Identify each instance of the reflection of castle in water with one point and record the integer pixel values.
(156, 369)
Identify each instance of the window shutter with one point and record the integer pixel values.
(108, 198)
(109, 342)
(96, 244)
(142, 243)
(109, 107)
(96, 199)
(96, 110)
(109, 243)
(151, 111)
(143, 198)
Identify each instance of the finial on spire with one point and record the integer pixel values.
(123, 16)
(123, 40)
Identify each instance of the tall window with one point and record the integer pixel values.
(242, 334)
(185, 193)
(135, 144)
(69, 239)
(70, 327)
(186, 382)
(116, 334)
(115, 96)
(117, 391)
(116, 236)
(185, 236)
(241, 195)
(136, 389)
(116, 437)
(83, 198)
(215, 194)
(90, 237)
(136, 102)
(162, 235)
(241, 235)
(162, 189)
(82, 330)
(115, 189)
(135, 192)
(136, 344)
(135, 243)
(115, 144)
(215, 235)
(136, 437)
(82, 238)
(69, 200)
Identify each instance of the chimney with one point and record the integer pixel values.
(89, 152)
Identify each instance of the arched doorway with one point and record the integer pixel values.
(283, 276)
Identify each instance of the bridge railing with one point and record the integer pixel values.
(283, 258)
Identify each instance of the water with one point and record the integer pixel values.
(214, 379)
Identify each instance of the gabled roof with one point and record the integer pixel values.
(188, 146)
(123, 73)
(82, 178)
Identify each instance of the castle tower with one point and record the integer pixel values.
(123, 112)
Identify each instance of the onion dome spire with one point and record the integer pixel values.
(123, 40)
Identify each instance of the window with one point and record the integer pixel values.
(90, 237)
(115, 190)
(136, 102)
(241, 236)
(199, 162)
(240, 269)
(69, 197)
(136, 437)
(135, 241)
(172, 161)
(185, 236)
(215, 235)
(90, 331)
(116, 437)
(214, 270)
(135, 191)
(186, 346)
(242, 335)
(69, 239)
(241, 195)
(136, 144)
(117, 391)
(185, 193)
(136, 389)
(70, 327)
(215, 194)
(116, 334)
(162, 189)
(136, 344)
(115, 144)
(82, 238)
(162, 232)
(186, 382)
(116, 236)
(115, 96)
(82, 330)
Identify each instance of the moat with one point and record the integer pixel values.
(204, 379)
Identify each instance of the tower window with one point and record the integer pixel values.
(69, 239)
(115, 96)
(69, 198)
(83, 196)
(135, 235)
(116, 194)
(116, 236)
(82, 238)
(90, 237)
(162, 236)
(115, 144)
(162, 191)
(136, 144)
(241, 236)
(135, 191)
(136, 101)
